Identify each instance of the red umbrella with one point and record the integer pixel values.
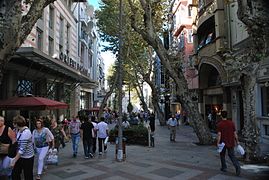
(31, 103)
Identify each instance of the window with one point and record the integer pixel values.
(90, 60)
(67, 37)
(51, 17)
(190, 38)
(61, 30)
(24, 87)
(265, 100)
(51, 46)
(39, 39)
(182, 41)
(189, 11)
(200, 4)
(60, 48)
(206, 32)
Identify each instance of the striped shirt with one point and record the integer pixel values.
(25, 144)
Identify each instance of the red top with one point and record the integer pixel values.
(227, 129)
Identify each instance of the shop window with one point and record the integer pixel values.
(265, 100)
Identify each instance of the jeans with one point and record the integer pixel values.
(87, 145)
(75, 141)
(26, 165)
(231, 156)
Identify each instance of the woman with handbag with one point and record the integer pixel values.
(24, 159)
(7, 136)
(42, 137)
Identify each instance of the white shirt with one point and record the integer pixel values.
(172, 122)
(102, 128)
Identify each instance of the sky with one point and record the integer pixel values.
(94, 3)
(108, 57)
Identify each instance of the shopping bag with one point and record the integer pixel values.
(220, 147)
(106, 140)
(52, 158)
(240, 149)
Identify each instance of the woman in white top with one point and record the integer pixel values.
(42, 137)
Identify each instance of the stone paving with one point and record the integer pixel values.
(182, 159)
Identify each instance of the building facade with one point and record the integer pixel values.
(218, 31)
(52, 62)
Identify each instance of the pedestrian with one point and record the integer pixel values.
(24, 159)
(102, 133)
(94, 133)
(58, 133)
(74, 131)
(86, 133)
(7, 136)
(172, 124)
(42, 138)
(227, 135)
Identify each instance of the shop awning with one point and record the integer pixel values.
(56, 64)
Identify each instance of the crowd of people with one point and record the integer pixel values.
(45, 137)
(50, 135)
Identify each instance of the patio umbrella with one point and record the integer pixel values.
(31, 103)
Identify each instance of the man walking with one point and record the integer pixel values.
(74, 131)
(102, 133)
(86, 133)
(172, 125)
(227, 135)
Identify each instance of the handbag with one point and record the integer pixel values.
(13, 148)
(4, 148)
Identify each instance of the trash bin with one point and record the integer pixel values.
(123, 147)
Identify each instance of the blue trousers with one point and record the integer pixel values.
(75, 141)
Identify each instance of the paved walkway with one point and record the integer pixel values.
(182, 159)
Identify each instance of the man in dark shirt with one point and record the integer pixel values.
(227, 135)
(86, 133)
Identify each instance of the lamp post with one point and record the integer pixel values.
(120, 71)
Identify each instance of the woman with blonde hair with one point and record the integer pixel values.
(42, 137)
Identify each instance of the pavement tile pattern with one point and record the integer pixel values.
(183, 159)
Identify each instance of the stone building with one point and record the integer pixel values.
(217, 31)
(54, 61)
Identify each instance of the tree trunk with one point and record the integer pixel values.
(185, 96)
(108, 94)
(155, 102)
(141, 97)
(15, 26)
(250, 130)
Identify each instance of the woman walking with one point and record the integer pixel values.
(58, 133)
(42, 137)
(24, 159)
(7, 136)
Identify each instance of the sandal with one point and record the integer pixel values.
(38, 177)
